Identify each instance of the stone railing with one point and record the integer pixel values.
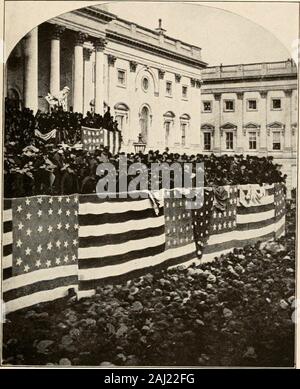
(246, 70)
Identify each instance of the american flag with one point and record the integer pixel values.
(245, 222)
(201, 221)
(40, 249)
(117, 237)
(54, 243)
(93, 139)
(280, 211)
(180, 246)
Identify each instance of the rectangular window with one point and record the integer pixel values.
(184, 92)
(207, 140)
(169, 88)
(121, 77)
(206, 106)
(252, 140)
(252, 105)
(228, 105)
(183, 133)
(229, 140)
(276, 103)
(276, 140)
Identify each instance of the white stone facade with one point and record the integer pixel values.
(252, 109)
(158, 86)
(151, 82)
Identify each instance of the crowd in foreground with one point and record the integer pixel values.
(236, 311)
(35, 167)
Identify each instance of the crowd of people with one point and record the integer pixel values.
(236, 311)
(20, 124)
(34, 167)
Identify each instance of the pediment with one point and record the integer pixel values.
(276, 125)
(252, 125)
(228, 126)
(207, 126)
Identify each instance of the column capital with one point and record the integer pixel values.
(161, 74)
(198, 83)
(111, 59)
(80, 38)
(133, 66)
(100, 44)
(87, 53)
(240, 95)
(177, 77)
(193, 82)
(263, 94)
(217, 96)
(288, 92)
(57, 31)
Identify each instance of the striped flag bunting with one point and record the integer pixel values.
(54, 243)
(116, 237)
(45, 137)
(40, 249)
(93, 139)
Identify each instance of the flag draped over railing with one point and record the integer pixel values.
(47, 136)
(54, 243)
(93, 139)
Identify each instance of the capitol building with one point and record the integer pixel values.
(159, 87)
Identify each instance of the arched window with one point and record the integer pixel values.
(145, 121)
(168, 125)
(184, 126)
(121, 115)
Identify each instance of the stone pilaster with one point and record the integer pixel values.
(263, 122)
(99, 75)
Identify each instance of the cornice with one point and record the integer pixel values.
(257, 88)
(266, 77)
(160, 51)
(96, 14)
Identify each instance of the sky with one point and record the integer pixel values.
(229, 33)
(225, 37)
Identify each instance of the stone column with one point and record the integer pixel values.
(78, 73)
(55, 59)
(88, 88)
(263, 122)
(288, 121)
(218, 122)
(31, 70)
(99, 75)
